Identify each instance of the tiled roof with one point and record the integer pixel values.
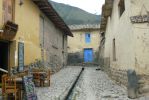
(86, 26)
(106, 12)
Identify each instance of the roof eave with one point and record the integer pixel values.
(106, 12)
(49, 11)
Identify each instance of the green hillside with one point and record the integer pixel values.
(73, 15)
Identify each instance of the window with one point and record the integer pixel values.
(121, 7)
(87, 37)
(114, 50)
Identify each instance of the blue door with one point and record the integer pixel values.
(88, 55)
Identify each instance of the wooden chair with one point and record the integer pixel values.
(36, 78)
(10, 86)
(48, 77)
(3, 83)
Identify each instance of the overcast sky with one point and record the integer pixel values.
(92, 6)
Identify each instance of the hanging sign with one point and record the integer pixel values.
(20, 57)
(139, 19)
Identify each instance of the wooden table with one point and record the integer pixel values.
(38, 72)
(39, 76)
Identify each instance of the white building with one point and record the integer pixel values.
(125, 31)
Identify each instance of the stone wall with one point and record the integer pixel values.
(120, 76)
(78, 58)
(75, 58)
(96, 57)
(143, 84)
(54, 46)
(106, 64)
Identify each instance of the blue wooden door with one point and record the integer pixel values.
(88, 55)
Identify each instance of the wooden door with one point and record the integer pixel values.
(8, 9)
(88, 55)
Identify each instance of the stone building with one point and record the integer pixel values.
(31, 30)
(125, 40)
(83, 47)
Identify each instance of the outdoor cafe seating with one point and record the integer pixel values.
(13, 84)
(41, 77)
(9, 86)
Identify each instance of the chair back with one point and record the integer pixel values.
(49, 74)
(10, 84)
(36, 75)
(10, 87)
(3, 83)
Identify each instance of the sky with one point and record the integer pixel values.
(92, 6)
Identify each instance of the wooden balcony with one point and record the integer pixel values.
(9, 31)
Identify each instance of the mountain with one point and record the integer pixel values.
(73, 15)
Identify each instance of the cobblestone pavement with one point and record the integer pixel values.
(96, 85)
(92, 85)
(60, 84)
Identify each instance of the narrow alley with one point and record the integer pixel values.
(74, 49)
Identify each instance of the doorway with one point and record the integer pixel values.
(4, 56)
(88, 55)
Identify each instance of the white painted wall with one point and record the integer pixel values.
(132, 40)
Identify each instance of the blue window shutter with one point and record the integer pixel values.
(87, 37)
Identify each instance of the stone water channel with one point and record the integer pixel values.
(96, 85)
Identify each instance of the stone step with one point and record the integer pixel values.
(144, 89)
(141, 81)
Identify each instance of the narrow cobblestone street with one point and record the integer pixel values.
(96, 85)
(92, 85)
